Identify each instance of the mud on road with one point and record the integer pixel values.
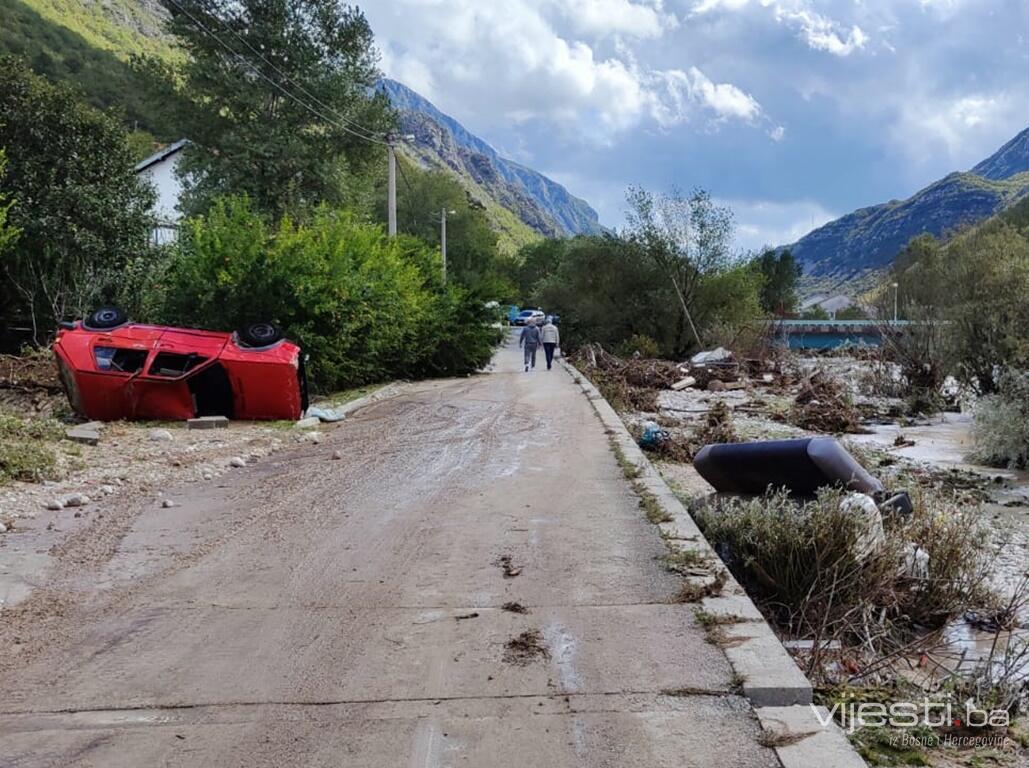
(306, 611)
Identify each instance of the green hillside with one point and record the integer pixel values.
(89, 43)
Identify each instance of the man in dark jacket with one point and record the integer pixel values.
(529, 340)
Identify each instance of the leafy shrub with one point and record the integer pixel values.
(1001, 429)
(364, 306)
(641, 344)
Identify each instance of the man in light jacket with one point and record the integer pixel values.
(529, 340)
(551, 338)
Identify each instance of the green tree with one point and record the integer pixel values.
(472, 254)
(535, 263)
(688, 239)
(81, 210)
(277, 99)
(8, 233)
(780, 272)
(364, 306)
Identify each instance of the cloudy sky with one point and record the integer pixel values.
(790, 111)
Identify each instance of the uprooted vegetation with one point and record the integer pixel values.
(1001, 432)
(824, 404)
(627, 384)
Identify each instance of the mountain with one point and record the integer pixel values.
(870, 238)
(440, 141)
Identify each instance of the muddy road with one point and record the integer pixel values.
(472, 584)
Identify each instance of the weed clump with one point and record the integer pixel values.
(1001, 428)
(26, 452)
(801, 563)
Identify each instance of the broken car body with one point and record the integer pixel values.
(113, 369)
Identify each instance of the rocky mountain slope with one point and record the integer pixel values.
(440, 141)
(870, 238)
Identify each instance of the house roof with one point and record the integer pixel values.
(161, 154)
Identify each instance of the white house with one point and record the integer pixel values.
(160, 171)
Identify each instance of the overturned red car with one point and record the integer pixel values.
(113, 369)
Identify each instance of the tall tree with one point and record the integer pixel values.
(81, 210)
(780, 272)
(687, 237)
(277, 99)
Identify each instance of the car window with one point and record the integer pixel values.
(118, 359)
(170, 364)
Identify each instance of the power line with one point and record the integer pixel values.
(200, 25)
(290, 80)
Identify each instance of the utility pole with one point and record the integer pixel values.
(896, 290)
(391, 195)
(443, 238)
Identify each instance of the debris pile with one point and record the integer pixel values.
(717, 426)
(29, 382)
(823, 404)
(628, 384)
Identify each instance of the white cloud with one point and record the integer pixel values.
(818, 31)
(962, 128)
(607, 17)
(762, 223)
(509, 60)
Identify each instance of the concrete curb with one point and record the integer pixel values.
(771, 680)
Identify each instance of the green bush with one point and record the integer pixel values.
(365, 307)
(1001, 428)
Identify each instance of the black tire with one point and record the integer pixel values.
(105, 318)
(259, 335)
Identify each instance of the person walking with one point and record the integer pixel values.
(551, 338)
(529, 340)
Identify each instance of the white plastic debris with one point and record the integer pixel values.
(870, 532)
(916, 562)
(717, 355)
(324, 414)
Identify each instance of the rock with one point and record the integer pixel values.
(208, 422)
(107, 490)
(55, 504)
(159, 435)
(82, 435)
(337, 455)
(767, 378)
(75, 500)
(3, 528)
(689, 381)
(308, 423)
(237, 461)
(715, 385)
(167, 503)
(314, 437)
(208, 476)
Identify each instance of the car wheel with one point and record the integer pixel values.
(259, 335)
(105, 318)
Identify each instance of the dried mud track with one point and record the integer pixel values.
(311, 612)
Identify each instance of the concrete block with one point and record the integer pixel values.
(815, 745)
(83, 435)
(771, 678)
(208, 422)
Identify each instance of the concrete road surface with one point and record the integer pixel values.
(474, 584)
